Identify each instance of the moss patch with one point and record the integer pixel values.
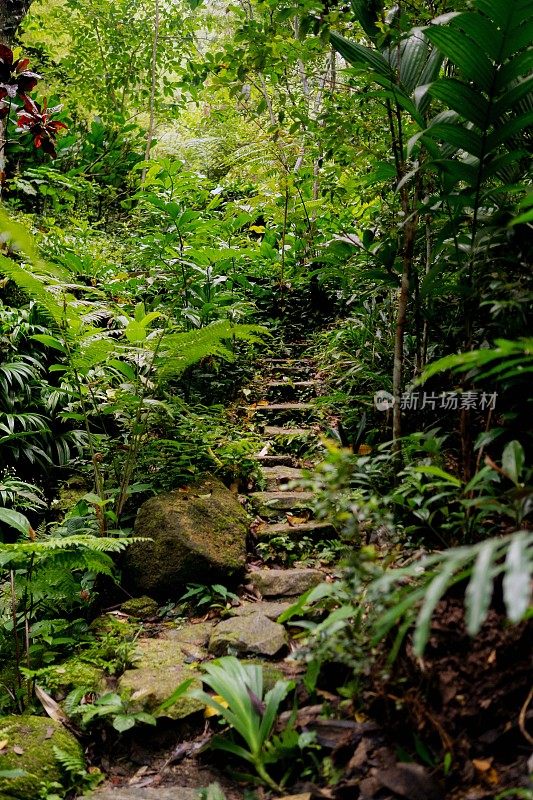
(30, 747)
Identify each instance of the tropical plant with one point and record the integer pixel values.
(249, 711)
(213, 596)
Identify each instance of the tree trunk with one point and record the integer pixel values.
(12, 12)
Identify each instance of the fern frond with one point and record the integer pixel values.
(178, 351)
(35, 288)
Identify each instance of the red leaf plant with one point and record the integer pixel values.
(39, 123)
(15, 78)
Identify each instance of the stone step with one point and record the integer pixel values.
(278, 476)
(291, 369)
(274, 408)
(143, 793)
(292, 390)
(282, 413)
(284, 582)
(299, 359)
(269, 460)
(271, 504)
(278, 430)
(312, 528)
(294, 384)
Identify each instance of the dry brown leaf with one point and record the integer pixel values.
(18, 750)
(293, 520)
(52, 708)
(3, 744)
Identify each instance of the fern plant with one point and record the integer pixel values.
(47, 573)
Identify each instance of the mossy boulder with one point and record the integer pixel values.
(198, 536)
(141, 607)
(29, 746)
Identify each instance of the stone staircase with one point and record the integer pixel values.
(290, 425)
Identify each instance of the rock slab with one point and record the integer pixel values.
(198, 535)
(144, 793)
(284, 582)
(160, 668)
(255, 634)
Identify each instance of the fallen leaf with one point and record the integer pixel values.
(18, 750)
(412, 781)
(49, 733)
(3, 744)
(482, 764)
(52, 708)
(293, 520)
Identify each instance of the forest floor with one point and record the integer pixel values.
(461, 700)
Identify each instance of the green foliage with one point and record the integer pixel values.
(249, 711)
(203, 596)
(109, 706)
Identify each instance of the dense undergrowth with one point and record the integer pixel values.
(215, 186)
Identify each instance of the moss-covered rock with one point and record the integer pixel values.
(141, 607)
(29, 746)
(251, 634)
(160, 667)
(198, 535)
(74, 673)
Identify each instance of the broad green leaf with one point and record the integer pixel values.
(480, 588)
(517, 577)
(513, 460)
(462, 98)
(358, 54)
(439, 473)
(123, 722)
(463, 51)
(367, 13)
(15, 520)
(49, 341)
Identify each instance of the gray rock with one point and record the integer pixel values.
(143, 793)
(160, 668)
(269, 608)
(284, 582)
(198, 535)
(255, 634)
(191, 634)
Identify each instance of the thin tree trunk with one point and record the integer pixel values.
(12, 12)
(151, 125)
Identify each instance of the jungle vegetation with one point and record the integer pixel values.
(188, 187)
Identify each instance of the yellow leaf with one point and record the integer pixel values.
(3, 744)
(482, 764)
(257, 228)
(294, 520)
(214, 712)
